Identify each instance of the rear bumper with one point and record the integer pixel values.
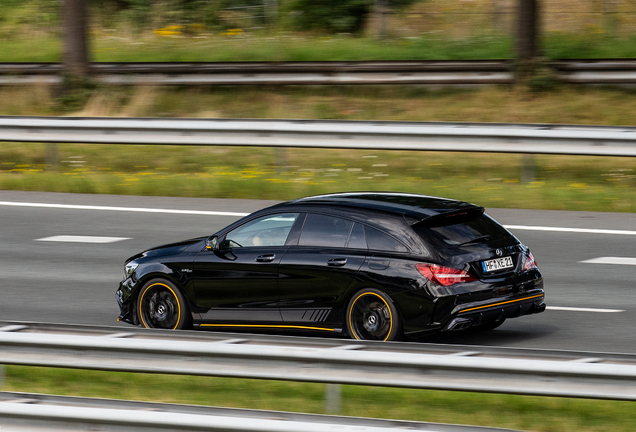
(469, 315)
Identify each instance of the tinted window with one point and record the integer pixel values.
(269, 230)
(456, 231)
(321, 230)
(377, 240)
(357, 240)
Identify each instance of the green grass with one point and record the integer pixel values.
(560, 182)
(290, 47)
(565, 183)
(515, 412)
(341, 48)
(219, 48)
(588, 46)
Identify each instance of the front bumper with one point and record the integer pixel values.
(469, 315)
(124, 301)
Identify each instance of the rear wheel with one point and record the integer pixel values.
(372, 316)
(161, 305)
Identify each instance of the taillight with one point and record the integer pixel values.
(529, 263)
(445, 276)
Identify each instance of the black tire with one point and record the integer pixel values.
(161, 305)
(371, 315)
(488, 326)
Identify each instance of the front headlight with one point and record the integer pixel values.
(129, 268)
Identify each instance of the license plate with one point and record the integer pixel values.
(497, 264)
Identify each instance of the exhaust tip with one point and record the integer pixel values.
(458, 324)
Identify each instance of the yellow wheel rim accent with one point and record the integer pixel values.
(383, 301)
(141, 301)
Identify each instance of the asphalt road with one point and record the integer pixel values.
(52, 281)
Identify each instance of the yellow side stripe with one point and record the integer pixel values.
(266, 326)
(499, 304)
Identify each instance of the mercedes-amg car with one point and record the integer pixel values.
(370, 266)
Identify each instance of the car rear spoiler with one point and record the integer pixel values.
(443, 218)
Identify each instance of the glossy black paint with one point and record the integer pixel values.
(235, 285)
(295, 286)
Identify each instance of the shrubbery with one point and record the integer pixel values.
(330, 16)
(19, 16)
(336, 16)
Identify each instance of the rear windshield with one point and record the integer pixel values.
(455, 231)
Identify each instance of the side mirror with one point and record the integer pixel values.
(212, 243)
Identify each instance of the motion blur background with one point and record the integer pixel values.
(306, 30)
(300, 30)
(567, 21)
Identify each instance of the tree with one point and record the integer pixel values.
(527, 30)
(75, 17)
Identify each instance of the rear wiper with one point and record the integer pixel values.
(475, 240)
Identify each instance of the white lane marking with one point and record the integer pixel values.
(124, 209)
(574, 309)
(573, 230)
(217, 213)
(82, 239)
(611, 260)
(588, 360)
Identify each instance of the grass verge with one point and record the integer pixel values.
(109, 47)
(515, 412)
(492, 180)
(496, 180)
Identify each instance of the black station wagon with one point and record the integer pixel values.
(370, 266)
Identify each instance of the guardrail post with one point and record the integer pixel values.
(52, 156)
(499, 16)
(333, 398)
(610, 17)
(381, 8)
(271, 9)
(528, 168)
(280, 159)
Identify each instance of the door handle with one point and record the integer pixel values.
(266, 258)
(337, 262)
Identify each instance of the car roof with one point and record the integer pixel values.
(417, 207)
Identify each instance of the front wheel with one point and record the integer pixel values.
(371, 315)
(161, 305)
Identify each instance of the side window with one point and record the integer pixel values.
(321, 230)
(269, 230)
(377, 240)
(357, 240)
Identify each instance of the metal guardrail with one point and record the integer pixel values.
(45, 413)
(424, 366)
(377, 135)
(273, 73)
(444, 72)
